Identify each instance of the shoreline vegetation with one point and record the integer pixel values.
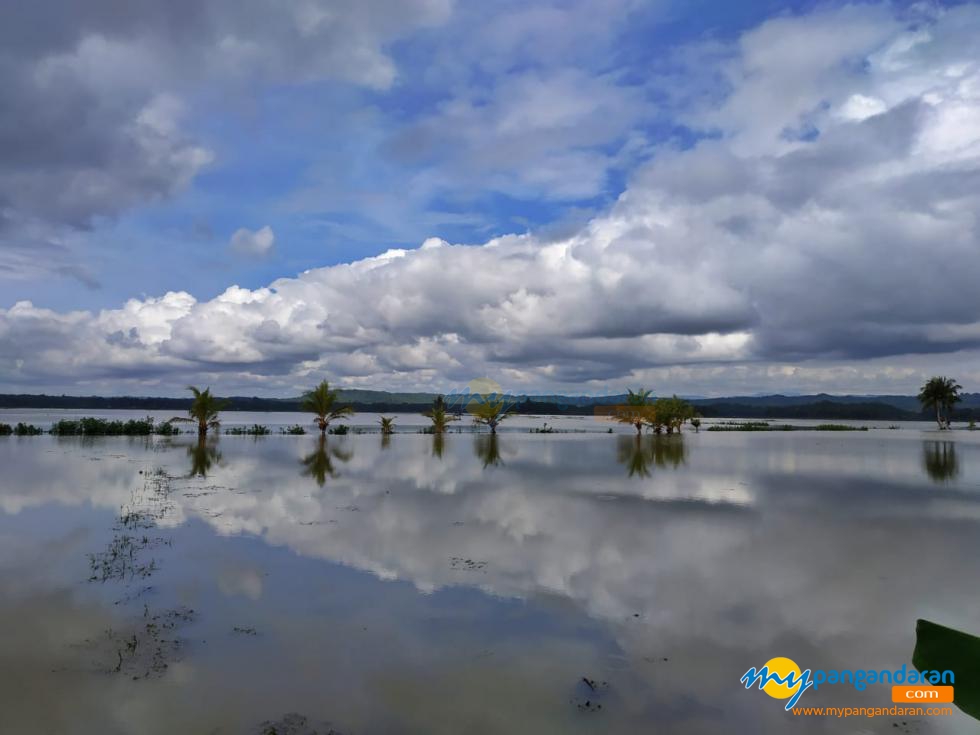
(638, 409)
(772, 407)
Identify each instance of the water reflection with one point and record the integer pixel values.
(640, 453)
(203, 455)
(444, 590)
(939, 460)
(487, 448)
(438, 445)
(319, 463)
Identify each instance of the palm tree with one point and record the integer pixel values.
(637, 410)
(387, 424)
(940, 393)
(321, 402)
(439, 416)
(204, 410)
(489, 412)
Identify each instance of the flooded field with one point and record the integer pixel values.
(524, 584)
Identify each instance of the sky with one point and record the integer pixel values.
(579, 196)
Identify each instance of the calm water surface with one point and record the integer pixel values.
(468, 585)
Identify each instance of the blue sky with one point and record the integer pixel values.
(283, 151)
(200, 147)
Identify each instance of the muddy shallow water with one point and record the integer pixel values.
(533, 584)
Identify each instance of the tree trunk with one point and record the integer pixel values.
(939, 417)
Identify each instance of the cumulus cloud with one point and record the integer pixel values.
(94, 95)
(249, 242)
(835, 223)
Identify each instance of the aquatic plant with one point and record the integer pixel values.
(294, 430)
(88, 426)
(253, 430)
(387, 424)
(23, 429)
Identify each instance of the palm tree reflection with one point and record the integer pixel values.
(438, 444)
(203, 455)
(939, 460)
(319, 463)
(641, 453)
(487, 448)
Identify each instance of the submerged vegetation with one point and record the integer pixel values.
(663, 415)
(940, 394)
(204, 410)
(23, 429)
(440, 416)
(253, 430)
(766, 426)
(637, 411)
(489, 412)
(102, 427)
(322, 403)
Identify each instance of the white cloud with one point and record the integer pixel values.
(249, 242)
(99, 99)
(724, 263)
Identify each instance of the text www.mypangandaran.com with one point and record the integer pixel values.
(872, 711)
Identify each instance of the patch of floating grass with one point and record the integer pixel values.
(766, 426)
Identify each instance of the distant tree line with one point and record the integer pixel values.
(937, 405)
